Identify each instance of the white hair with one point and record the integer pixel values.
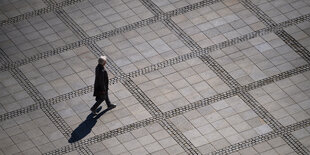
(102, 59)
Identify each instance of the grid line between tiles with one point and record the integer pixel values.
(114, 32)
(158, 66)
(129, 84)
(230, 81)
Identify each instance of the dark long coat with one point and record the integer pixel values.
(101, 81)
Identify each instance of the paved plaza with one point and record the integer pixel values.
(187, 76)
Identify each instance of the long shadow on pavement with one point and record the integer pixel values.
(85, 127)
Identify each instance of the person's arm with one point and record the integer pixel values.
(100, 82)
(106, 81)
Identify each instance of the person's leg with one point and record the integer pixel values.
(99, 100)
(107, 101)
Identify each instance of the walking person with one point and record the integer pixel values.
(101, 85)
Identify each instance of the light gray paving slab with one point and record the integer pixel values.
(35, 35)
(216, 23)
(12, 94)
(285, 102)
(30, 133)
(258, 60)
(95, 17)
(186, 83)
(209, 128)
(13, 8)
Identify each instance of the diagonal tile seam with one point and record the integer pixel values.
(296, 145)
(96, 50)
(184, 109)
(282, 34)
(246, 97)
(236, 91)
(80, 33)
(232, 83)
(166, 124)
(38, 98)
(264, 137)
(37, 12)
(245, 88)
(221, 45)
(290, 139)
(131, 86)
(107, 34)
(197, 53)
(172, 130)
(60, 13)
(159, 66)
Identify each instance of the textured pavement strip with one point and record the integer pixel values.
(235, 91)
(90, 40)
(229, 80)
(292, 141)
(107, 34)
(184, 109)
(172, 130)
(282, 34)
(264, 137)
(160, 65)
(296, 145)
(294, 44)
(38, 12)
(253, 104)
(63, 16)
(96, 50)
(80, 33)
(232, 83)
(149, 121)
(130, 85)
(38, 98)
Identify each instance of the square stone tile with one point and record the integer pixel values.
(73, 153)
(12, 8)
(167, 5)
(282, 10)
(208, 128)
(220, 124)
(12, 95)
(143, 47)
(274, 146)
(76, 112)
(60, 74)
(257, 58)
(30, 133)
(156, 139)
(218, 22)
(144, 140)
(34, 35)
(96, 17)
(181, 84)
(287, 100)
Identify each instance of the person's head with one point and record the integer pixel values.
(102, 60)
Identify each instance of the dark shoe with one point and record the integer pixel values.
(111, 106)
(94, 111)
